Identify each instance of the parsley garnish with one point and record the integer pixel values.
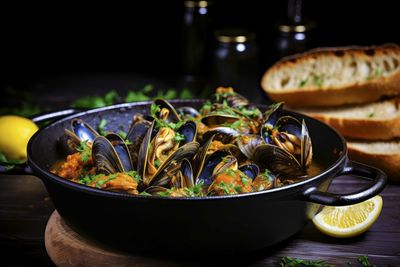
(144, 193)
(293, 262)
(238, 189)
(370, 115)
(122, 134)
(157, 163)
(230, 172)
(222, 185)
(154, 110)
(235, 125)
(250, 112)
(85, 151)
(90, 178)
(101, 126)
(363, 260)
(166, 193)
(96, 101)
(134, 175)
(179, 137)
(196, 190)
(102, 182)
(245, 179)
(318, 81)
(303, 82)
(379, 72)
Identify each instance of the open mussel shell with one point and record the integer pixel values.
(272, 115)
(172, 115)
(143, 151)
(224, 134)
(306, 146)
(250, 170)
(80, 131)
(184, 176)
(122, 151)
(207, 170)
(189, 131)
(278, 161)
(187, 112)
(219, 119)
(199, 159)
(163, 175)
(136, 134)
(106, 157)
(248, 144)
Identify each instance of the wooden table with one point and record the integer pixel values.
(25, 208)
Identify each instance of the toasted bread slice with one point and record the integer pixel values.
(335, 76)
(373, 121)
(383, 155)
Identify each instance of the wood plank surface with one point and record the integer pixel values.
(25, 209)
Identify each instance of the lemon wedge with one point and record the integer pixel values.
(15, 132)
(349, 221)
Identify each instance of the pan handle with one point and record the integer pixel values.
(23, 168)
(352, 168)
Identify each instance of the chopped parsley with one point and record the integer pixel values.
(165, 193)
(122, 134)
(85, 151)
(303, 82)
(157, 163)
(144, 193)
(222, 185)
(96, 101)
(206, 108)
(196, 190)
(370, 115)
(364, 261)
(109, 178)
(87, 179)
(101, 126)
(318, 81)
(250, 112)
(154, 110)
(379, 72)
(230, 172)
(245, 179)
(136, 177)
(293, 262)
(179, 137)
(235, 125)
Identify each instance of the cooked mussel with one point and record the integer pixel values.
(111, 155)
(80, 131)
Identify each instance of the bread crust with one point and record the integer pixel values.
(359, 92)
(390, 164)
(363, 128)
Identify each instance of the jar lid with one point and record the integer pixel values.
(234, 35)
(193, 4)
(287, 27)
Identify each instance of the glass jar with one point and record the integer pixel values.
(196, 36)
(235, 62)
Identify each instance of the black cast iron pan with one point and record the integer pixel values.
(212, 225)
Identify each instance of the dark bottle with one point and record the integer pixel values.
(196, 37)
(294, 34)
(235, 62)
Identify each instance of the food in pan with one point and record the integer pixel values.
(227, 147)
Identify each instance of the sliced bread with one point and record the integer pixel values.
(335, 76)
(373, 121)
(383, 155)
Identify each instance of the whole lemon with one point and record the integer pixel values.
(15, 132)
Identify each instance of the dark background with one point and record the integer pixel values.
(144, 37)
